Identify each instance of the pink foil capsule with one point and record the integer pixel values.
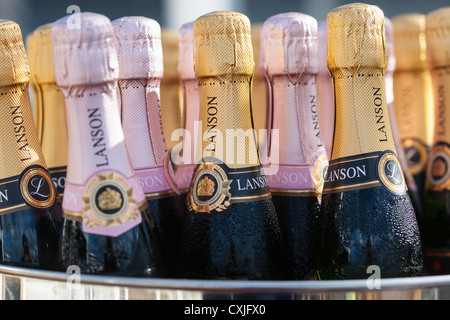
(290, 64)
(140, 71)
(102, 189)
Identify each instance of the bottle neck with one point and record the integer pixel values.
(414, 105)
(191, 114)
(441, 93)
(295, 116)
(141, 122)
(227, 128)
(361, 120)
(54, 132)
(96, 141)
(438, 163)
(20, 144)
(171, 109)
(326, 109)
(259, 111)
(389, 77)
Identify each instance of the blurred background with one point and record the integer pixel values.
(171, 14)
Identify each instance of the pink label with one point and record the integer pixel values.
(153, 180)
(290, 177)
(107, 204)
(184, 175)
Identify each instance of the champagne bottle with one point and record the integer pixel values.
(140, 73)
(29, 205)
(108, 227)
(435, 227)
(231, 229)
(366, 219)
(413, 93)
(171, 103)
(189, 87)
(290, 65)
(51, 110)
(413, 191)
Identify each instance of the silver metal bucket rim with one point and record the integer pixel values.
(235, 286)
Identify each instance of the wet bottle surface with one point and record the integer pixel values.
(366, 214)
(29, 206)
(108, 227)
(297, 156)
(435, 225)
(231, 230)
(140, 73)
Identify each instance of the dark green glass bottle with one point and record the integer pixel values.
(140, 110)
(366, 218)
(30, 210)
(108, 228)
(435, 225)
(231, 230)
(298, 156)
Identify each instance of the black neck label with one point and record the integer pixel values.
(215, 186)
(364, 171)
(33, 188)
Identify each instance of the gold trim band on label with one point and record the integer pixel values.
(359, 186)
(249, 198)
(294, 193)
(240, 172)
(14, 208)
(74, 216)
(345, 161)
(160, 195)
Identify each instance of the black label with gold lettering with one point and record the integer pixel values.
(33, 188)
(58, 175)
(364, 171)
(215, 186)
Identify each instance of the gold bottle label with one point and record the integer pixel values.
(230, 170)
(363, 154)
(362, 120)
(25, 181)
(364, 171)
